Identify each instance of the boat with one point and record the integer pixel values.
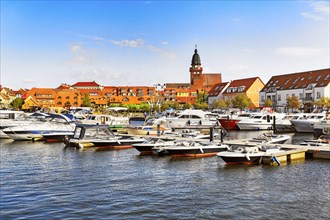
(323, 140)
(284, 124)
(306, 123)
(34, 130)
(321, 127)
(8, 118)
(195, 149)
(152, 126)
(261, 121)
(59, 136)
(270, 138)
(114, 118)
(229, 122)
(100, 137)
(243, 154)
(191, 118)
(148, 146)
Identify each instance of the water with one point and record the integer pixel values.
(40, 180)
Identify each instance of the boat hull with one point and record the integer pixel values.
(241, 160)
(254, 126)
(229, 124)
(194, 152)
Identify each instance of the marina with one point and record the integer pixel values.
(40, 179)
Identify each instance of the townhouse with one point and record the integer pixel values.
(249, 86)
(308, 86)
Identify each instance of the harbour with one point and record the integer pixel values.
(47, 180)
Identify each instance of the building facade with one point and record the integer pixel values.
(308, 86)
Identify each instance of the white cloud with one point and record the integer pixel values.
(129, 43)
(320, 11)
(164, 43)
(298, 51)
(80, 55)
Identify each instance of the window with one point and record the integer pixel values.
(278, 97)
(318, 95)
(300, 96)
(287, 96)
(318, 78)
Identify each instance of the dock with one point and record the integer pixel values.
(292, 152)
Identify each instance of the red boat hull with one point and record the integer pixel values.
(229, 124)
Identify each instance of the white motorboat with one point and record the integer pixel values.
(100, 137)
(306, 123)
(323, 140)
(52, 123)
(270, 138)
(195, 149)
(148, 146)
(114, 118)
(7, 119)
(284, 124)
(242, 154)
(193, 117)
(258, 122)
(322, 127)
(153, 126)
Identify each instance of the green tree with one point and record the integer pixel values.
(86, 102)
(17, 103)
(202, 105)
(187, 106)
(293, 102)
(268, 103)
(201, 97)
(219, 104)
(241, 101)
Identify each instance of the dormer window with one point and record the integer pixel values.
(318, 78)
(327, 77)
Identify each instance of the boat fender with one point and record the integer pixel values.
(201, 150)
(274, 159)
(247, 157)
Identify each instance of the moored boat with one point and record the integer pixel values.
(243, 154)
(150, 144)
(195, 149)
(270, 138)
(100, 137)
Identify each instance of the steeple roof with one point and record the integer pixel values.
(196, 60)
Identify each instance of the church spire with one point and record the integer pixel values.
(196, 60)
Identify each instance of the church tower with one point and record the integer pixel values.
(196, 68)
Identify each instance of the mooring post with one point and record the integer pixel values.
(274, 123)
(158, 130)
(211, 133)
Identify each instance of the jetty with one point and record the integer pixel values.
(292, 152)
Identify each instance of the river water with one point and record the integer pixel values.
(48, 181)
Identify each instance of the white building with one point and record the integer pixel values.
(308, 86)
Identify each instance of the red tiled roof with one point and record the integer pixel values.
(217, 89)
(83, 84)
(320, 78)
(242, 82)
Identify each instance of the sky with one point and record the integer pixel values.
(142, 43)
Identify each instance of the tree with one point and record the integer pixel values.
(219, 104)
(17, 103)
(201, 97)
(323, 102)
(293, 102)
(86, 102)
(268, 103)
(241, 101)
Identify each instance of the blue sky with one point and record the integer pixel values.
(46, 43)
